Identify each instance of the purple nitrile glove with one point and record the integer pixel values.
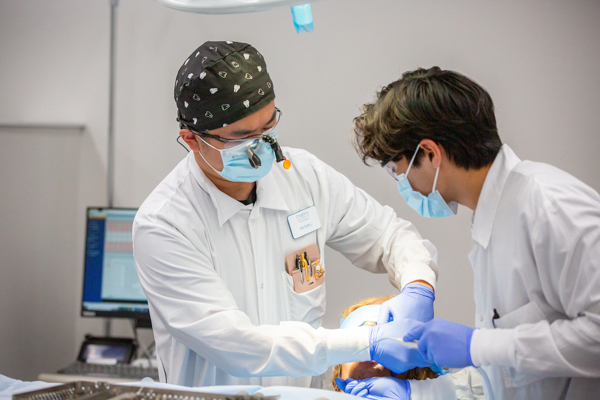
(414, 302)
(444, 343)
(379, 388)
(393, 355)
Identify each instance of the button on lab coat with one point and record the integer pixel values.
(536, 262)
(223, 308)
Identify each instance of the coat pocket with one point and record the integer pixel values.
(530, 313)
(306, 307)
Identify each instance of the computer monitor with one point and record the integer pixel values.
(111, 287)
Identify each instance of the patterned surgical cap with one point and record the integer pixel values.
(221, 83)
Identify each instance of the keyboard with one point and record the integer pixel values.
(124, 371)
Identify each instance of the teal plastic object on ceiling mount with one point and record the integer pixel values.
(302, 16)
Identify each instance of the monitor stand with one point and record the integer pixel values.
(143, 323)
(107, 327)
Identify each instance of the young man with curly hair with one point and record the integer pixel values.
(535, 230)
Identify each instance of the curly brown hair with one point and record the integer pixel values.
(443, 106)
(419, 374)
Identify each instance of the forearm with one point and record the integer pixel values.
(396, 247)
(407, 256)
(565, 348)
(228, 340)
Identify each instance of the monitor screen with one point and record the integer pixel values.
(104, 354)
(111, 287)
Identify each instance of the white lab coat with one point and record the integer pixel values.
(460, 384)
(223, 308)
(536, 261)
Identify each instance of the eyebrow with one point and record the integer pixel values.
(246, 132)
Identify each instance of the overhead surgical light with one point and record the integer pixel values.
(301, 11)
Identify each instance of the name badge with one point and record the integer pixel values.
(304, 222)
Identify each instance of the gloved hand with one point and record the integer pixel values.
(444, 343)
(391, 354)
(414, 302)
(376, 388)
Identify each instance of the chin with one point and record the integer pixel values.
(369, 369)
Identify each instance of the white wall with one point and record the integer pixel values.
(538, 60)
(37, 244)
(53, 70)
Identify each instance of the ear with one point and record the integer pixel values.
(433, 152)
(190, 139)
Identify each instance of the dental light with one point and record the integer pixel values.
(301, 11)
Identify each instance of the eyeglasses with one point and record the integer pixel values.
(229, 143)
(390, 166)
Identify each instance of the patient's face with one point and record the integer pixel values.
(365, 369)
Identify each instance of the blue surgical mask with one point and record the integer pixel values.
(432, 206)
(236, 164)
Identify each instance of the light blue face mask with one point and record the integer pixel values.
(236, 162)
(432, 206)
(361, 315)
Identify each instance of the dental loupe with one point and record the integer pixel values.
(255, 160)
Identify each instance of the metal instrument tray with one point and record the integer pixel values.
(108, 391)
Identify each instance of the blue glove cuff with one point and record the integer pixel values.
(417, 288)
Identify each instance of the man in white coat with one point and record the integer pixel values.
(211, 242)
(536, 241)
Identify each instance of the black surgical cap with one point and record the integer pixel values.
(221, 83)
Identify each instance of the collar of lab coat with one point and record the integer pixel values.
(483, 218)
(268, 193)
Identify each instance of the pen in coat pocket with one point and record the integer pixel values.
(299, 266)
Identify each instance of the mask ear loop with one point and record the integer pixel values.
(437, 172)
(208, 144)
(412, 160)
(213, 168)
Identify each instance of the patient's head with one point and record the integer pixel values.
(370, 369)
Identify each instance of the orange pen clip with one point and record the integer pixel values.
(306, 266)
